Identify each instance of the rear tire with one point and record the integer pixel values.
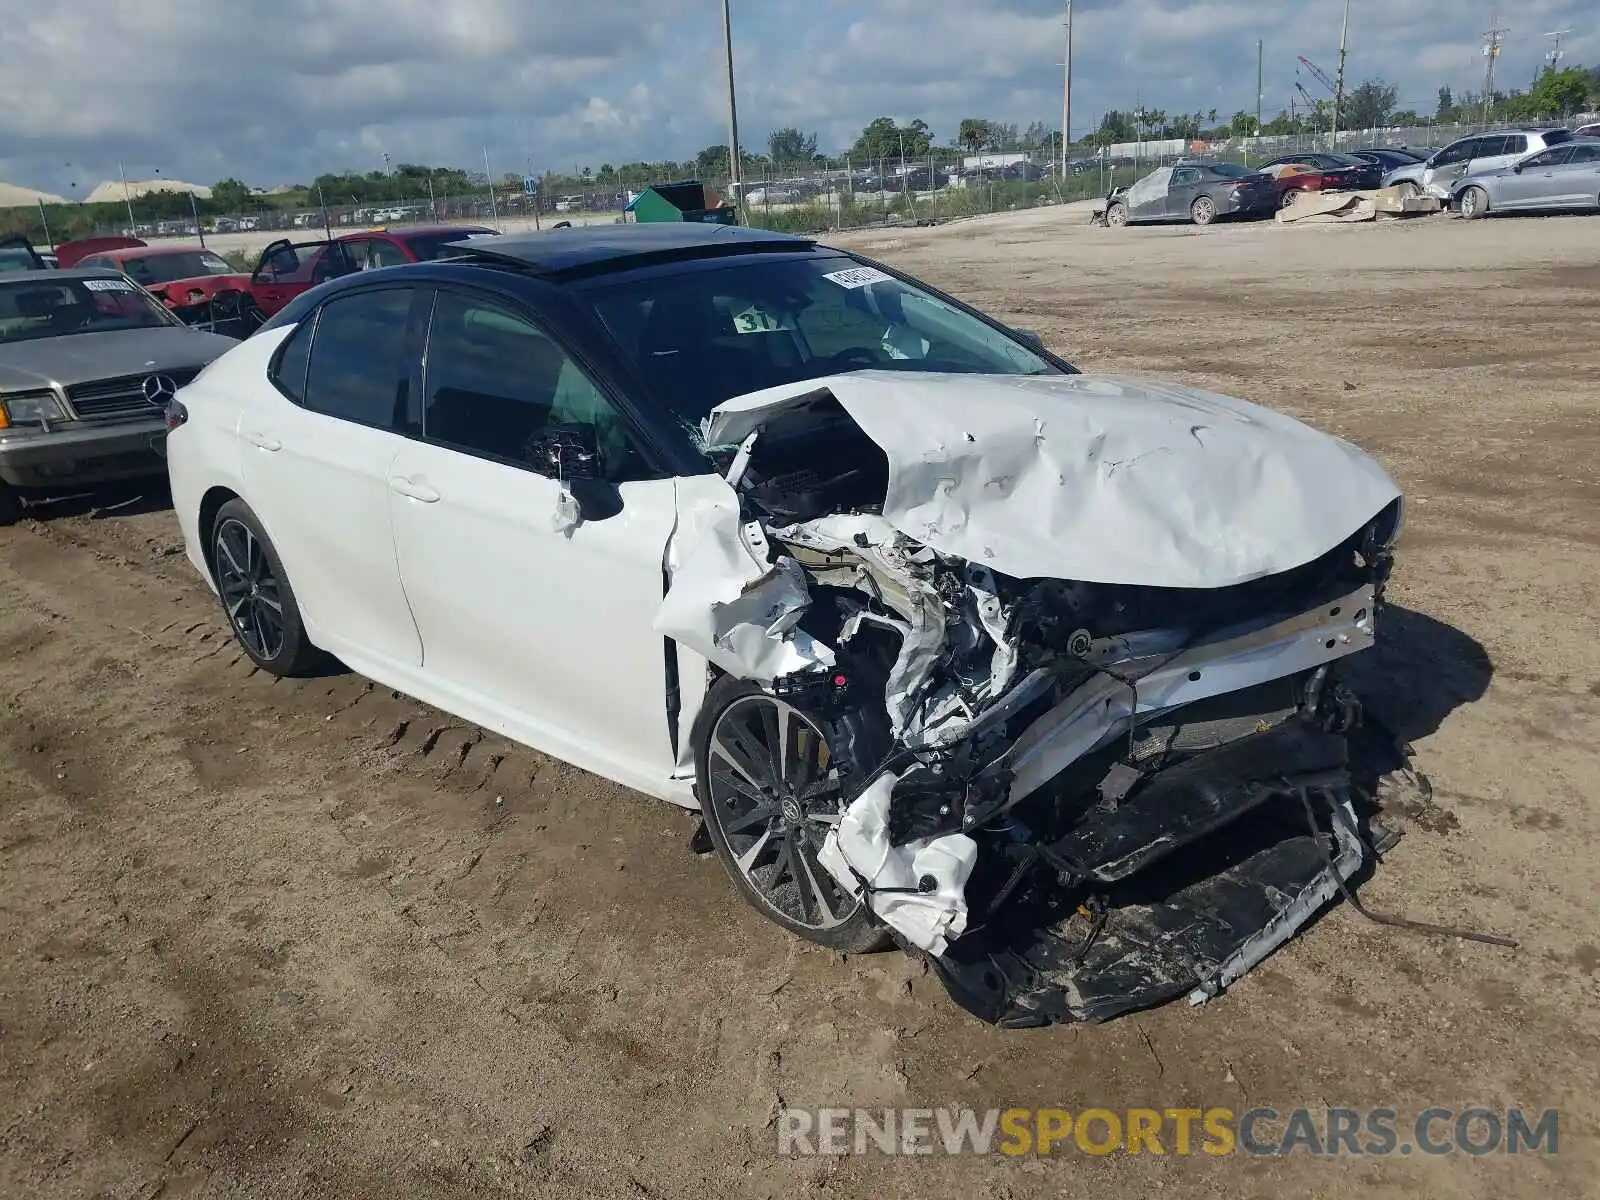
(766, 818)
(1289, 198)
(10, 505)
(256, 596)
(1203, 211)
(1474, 203)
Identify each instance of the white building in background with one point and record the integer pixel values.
(112, 191)
(992, 162)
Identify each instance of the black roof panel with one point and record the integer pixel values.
(591, 248)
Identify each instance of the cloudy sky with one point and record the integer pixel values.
(276, 91)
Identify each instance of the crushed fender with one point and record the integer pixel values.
(1103, 621)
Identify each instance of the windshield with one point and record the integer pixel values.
(702, 337)
(15, 258)
(164, 268)
(31, 309)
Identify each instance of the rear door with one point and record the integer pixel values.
(1578, 175)
(317, 451)
(1536, 185)
(534, 624)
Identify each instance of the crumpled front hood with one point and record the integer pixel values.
(1095, 478)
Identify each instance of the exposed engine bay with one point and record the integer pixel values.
(1078, 793)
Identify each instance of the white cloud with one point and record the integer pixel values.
(273, 90)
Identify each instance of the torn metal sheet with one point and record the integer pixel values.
(1091, 478)
(918, 888)
(729, 603)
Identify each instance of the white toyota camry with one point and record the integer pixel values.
(1033, 672)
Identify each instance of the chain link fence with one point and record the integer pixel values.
(940, 186)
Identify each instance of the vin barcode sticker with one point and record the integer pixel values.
(108, 285)
(857, 277)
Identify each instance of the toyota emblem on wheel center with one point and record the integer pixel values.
(159, 390)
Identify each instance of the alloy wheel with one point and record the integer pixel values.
(249, 589)
(775, 792)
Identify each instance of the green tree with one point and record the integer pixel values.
(1447, 113)
(713, 160)
(972, 134)
(1369, 106)
(1116, 126)
(231, 196)
(1243, 124)
(882, 138)
(789, 145)
(1559, 93)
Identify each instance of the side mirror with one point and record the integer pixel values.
(1516, 169)
(1031, 337)
(570, 455)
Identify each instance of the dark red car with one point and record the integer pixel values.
(288, 268)
(184, 278)
(1318, 171)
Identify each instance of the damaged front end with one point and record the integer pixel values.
(1077, 797)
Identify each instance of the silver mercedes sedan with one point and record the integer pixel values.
(88, 362)
(1559, 177)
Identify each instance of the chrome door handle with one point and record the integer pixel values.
(263, 440)
(414, 489)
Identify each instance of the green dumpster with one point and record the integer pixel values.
(689, 200)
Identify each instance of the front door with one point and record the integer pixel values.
(317, 454)
(1185, 186)
(533, 623)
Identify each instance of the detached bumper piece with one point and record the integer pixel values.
(1182, 888)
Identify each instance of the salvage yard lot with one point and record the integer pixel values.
(274, 938)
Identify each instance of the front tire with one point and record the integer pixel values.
(1117, 215)
(256, 596)
(1474, 203)
(770, 787)
(1203, 211)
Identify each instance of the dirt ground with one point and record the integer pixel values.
(306, 938)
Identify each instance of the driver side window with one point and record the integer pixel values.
(1185, 177)
(498, 385)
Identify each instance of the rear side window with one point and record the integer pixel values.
(358, 369)
(289, 375)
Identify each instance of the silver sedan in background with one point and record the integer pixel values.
(1559, 177)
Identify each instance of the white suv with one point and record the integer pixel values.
(1480, 152)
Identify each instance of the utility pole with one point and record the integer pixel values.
(1260, 60)
(1493, 37)
(1555, 54)
(1066, 97)
(494, 207)
(735, 171)
(127, 198)
(1338, 84)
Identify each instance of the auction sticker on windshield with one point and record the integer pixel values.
(755, 320)
(857, 277)
(108, 285)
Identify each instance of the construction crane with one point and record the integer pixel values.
(1322, 76)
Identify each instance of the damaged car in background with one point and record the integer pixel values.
(1034, 673)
